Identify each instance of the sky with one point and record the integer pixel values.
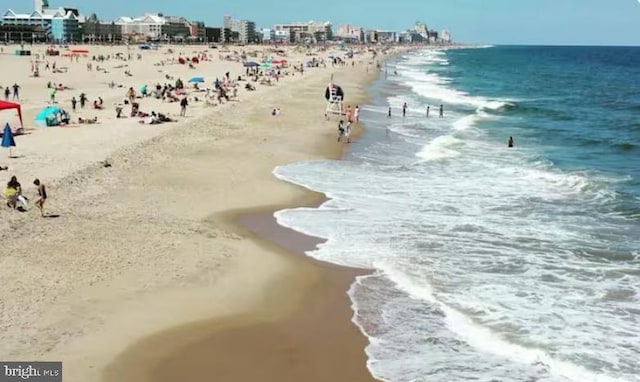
(527, 22)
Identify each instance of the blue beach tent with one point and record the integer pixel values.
(41, 117)
(196, 79)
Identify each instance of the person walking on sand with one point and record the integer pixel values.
(441, 111)
(340, 130)
(348, 114)
(183, 106)
(356, 114)
(7, 93)
(42, 196)
(83, 100)
(74, 102)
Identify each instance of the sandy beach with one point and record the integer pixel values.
(149, 253)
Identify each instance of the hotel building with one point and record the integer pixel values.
(57, 24)
(310, 31)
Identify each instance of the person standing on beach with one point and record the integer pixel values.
(428, 111)
(83, 99)
(7, 93)
(74, 102)
(389, 114)
(42, 196)
(441, 111)
(356, 114)
(16, 92)
(404, 110)
(347, 132)
(183, 106)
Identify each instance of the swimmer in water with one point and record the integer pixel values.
(510, 143)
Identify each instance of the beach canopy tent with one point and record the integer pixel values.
(5, 105)
(251, 64)
(196, 79)
(47, 113)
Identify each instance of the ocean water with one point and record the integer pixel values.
(491, 263)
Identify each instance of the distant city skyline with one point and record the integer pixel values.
(544, 22)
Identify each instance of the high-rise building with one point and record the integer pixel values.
(245, 29)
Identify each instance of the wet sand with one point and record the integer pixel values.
(315, 342)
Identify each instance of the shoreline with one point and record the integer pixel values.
(278, 348)
(276, 344)
(150, 242)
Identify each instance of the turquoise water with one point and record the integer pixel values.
(492, 263)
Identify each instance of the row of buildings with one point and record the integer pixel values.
(63, 25)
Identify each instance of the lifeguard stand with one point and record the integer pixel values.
(334, 101)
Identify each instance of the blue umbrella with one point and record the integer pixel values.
(46, 112)
(196, 79)
(7, 139)
(251, 64)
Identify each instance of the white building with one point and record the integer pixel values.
(349, 32)
(281, 36)
(155, 26)
(268, 35)
(245, 29)
(445, 37)
(150, 25)
(300, 31)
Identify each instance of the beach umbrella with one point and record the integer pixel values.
(265, 66)
(196, 79)
(251, 64)
(7, 138)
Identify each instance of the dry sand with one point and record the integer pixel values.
(149, 244)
